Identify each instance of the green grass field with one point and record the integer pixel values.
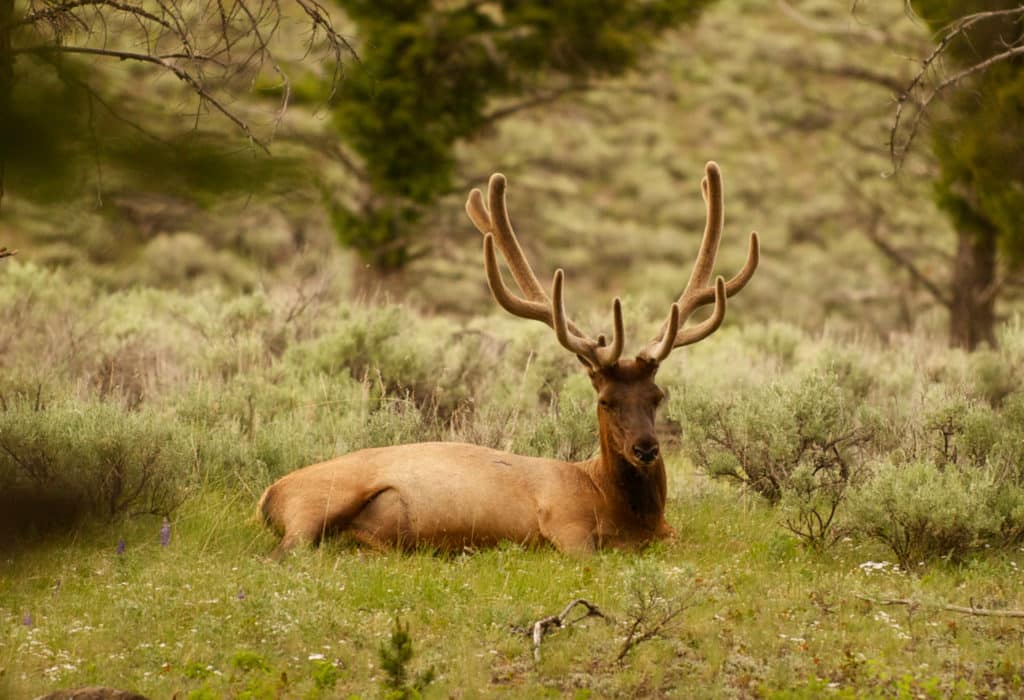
(166, 352)
(190, 404)
(208, 617)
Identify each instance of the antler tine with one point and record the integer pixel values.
(593, 352)
(493, 222)
(656, 351)
(738, 281)
(478, 213)
(710, 324)
(697, 293)
(517, 306)
(508, 243)
(571, 342)
(711, 189)
(610, 355)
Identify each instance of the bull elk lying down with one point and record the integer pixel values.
(451, 495)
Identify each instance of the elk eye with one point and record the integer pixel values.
(604, 403)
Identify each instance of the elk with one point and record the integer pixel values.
(447, 496)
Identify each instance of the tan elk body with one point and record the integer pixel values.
(453, 495)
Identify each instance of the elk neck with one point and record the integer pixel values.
(639, 494)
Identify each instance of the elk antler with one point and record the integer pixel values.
(493, 222)
(697, 292)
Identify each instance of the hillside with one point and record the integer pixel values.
(605, 184)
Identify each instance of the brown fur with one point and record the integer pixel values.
(452, 495)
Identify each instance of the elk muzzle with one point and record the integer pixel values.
(646, 451)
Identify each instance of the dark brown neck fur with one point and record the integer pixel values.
(638, 494)
(629, 471)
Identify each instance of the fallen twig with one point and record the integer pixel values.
(971, 610)
(541, 626)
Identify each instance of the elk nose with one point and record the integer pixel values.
(646, 453)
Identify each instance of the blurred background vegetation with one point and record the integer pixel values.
(875, 147)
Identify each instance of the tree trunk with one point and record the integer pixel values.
(972, 311)
(6, 76)
(6, 55)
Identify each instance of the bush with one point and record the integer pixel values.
(568, 429)
(429, 361)
(121, 402)
(797, 441)
(922, 511)
(61, 462)
(762, 436)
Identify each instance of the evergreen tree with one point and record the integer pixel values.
(978, 138)
(428, 72)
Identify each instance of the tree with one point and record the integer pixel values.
(976, 138)
(429, 74)
(75, 83)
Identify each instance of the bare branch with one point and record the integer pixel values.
(894, 254)
(186, 39)
(958, 28)
(339, 44)
(902, 260)
(51, 13)
(971, 610)
(874, 35)
(538, 628)
(849, 72)
(180, 73)
(535, 101)
(651, 617)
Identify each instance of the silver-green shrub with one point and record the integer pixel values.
(798, 440)
(922, 510)
(71, 459)
(901, 442)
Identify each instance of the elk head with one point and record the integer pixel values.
(627, 394)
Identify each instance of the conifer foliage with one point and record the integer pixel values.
(428, 76)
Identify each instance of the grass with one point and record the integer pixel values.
(235, 395)
(207, 616)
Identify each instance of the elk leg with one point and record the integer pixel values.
(383, 520)
(307, 522)
(572, 538)
(666, 532)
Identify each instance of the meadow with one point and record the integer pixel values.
(154, 404)
(846, 489)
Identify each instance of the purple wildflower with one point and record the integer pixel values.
(27, 620)
(241, 594)
(120, 546)
(165, 532)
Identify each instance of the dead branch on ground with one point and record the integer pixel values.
(540, 627)
(965, 610)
